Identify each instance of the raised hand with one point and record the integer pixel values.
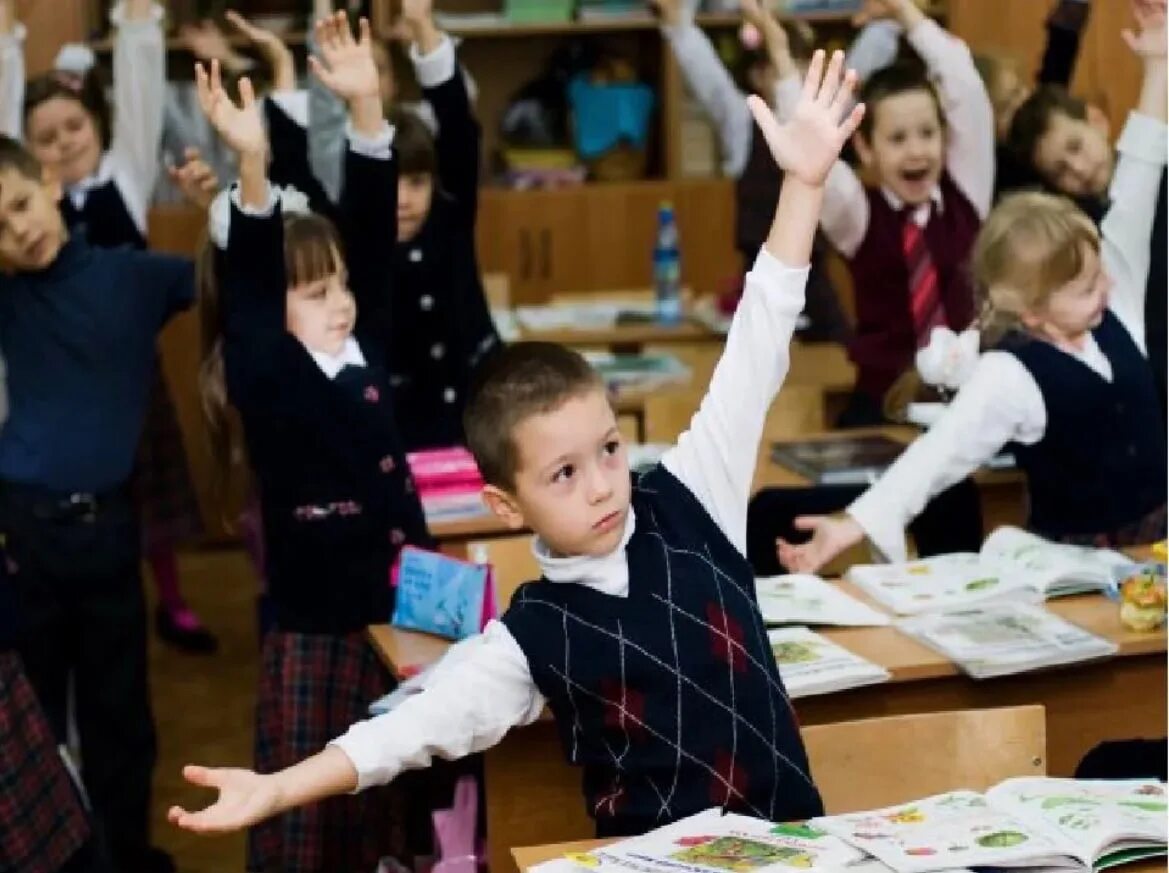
(774, 36)
(809, 144)
(670, 11)
(195, 179)
(241, 127)
(1148, 41)
(271, 48)
(907, 12)
(346, 65)
(830, 537)
(245, 798)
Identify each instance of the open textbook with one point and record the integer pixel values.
(1011, 563)
(1028, 822)
(801, 598)
(999, 639)
(811, 664)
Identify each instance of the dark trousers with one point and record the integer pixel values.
(75, 571)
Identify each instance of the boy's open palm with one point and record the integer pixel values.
(809, 144)
(245, 798)
(830, 537)
(241, 127)
(1148, 42)
(346, 65)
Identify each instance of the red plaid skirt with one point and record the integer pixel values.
(312, 688)
(1143, 532)
(166, 498)
(42, 822)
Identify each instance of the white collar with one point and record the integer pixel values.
(919, 215)
(350, 355)
(79, 191)
(607, 573)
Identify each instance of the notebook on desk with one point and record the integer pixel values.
(850, 460)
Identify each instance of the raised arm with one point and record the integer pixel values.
(463, 709)
(1065, 27)
(715, 457)
(1125, 231)
(12, 34)
(139, 96)
(710, 83)
(327, 116)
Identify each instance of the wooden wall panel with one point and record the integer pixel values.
(50, 24)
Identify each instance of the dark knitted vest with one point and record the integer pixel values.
(885, 344)
(1156, 291)
(1101, 463)
(107, 222)
(669, 699)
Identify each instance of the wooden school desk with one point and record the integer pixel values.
(533, 796)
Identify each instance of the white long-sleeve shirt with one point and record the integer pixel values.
(483, 687)
(1001, 402)
(726, 106)
(969, 139)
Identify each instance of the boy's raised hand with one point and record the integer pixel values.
(346, 65)
(271, 47)
(1148, 42)
(241, 127)
(245, 798)
(809, 144)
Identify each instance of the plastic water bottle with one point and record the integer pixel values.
(667, 267)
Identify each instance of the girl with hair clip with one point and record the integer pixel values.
(1067, 381)
(109, 164)
(302, 312)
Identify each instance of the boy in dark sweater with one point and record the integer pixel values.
(678, 704)
(77, 329)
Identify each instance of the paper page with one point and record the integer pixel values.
(1050, 567)
(957, 829)
(801, 598)
(1002, 638)
(713, 843)
(1087, 815)
(812, 664)
(941, 582)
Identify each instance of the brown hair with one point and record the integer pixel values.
(312, 251)
(14, 156)
(88, 90)
(517, 382)
(1031, 245)
(900, 77)
(413, 143)
(1033, 119)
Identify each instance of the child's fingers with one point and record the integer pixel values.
(815, 74)
(366, 38)
(192, 153)
(246, 94)
(321, 72)
(344, 32)
(852, 122)
(830, 84)
(844, 93)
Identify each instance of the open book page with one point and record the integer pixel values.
(944, 581)
(711, 842)
(1053, 569)
(812, 664)
(999, 639)
(942, 832)
(801, 598)
(1092, 818)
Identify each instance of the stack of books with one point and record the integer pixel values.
(448, 482)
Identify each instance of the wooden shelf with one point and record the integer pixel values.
(175, 43)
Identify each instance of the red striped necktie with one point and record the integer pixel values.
(925, 297)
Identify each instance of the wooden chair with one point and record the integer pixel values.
(883, 761)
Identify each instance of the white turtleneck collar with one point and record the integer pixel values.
(608, 574)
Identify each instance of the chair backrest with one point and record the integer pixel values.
(879, 762)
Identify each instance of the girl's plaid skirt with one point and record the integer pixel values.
(42, 822)
(312, 688)
(1143, 532)
(166, 498)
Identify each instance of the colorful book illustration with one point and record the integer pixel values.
(801, 598)
(812, 664)
(1012, 564)
(1032, 822)
(711, 842)
(638, 373)
(1000, 639)
(441, 595)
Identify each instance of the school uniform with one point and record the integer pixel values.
(1083, 423)
(1156, 317)
(699, 717)
(338, 505)
(78, 338)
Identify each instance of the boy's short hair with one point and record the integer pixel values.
(900, 77)
(413, 143)
(1033, 118)
(14, 156)
(517, 382)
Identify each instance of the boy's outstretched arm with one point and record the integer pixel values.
(715, 457)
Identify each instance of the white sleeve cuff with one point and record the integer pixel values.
(294, 104)
(783, 285)
(437, 67)
(377, 147)
(879, 525)
(1144, 138)
(14, 39)
(219, 213)
(119, 20)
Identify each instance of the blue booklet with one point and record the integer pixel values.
(441, 595)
